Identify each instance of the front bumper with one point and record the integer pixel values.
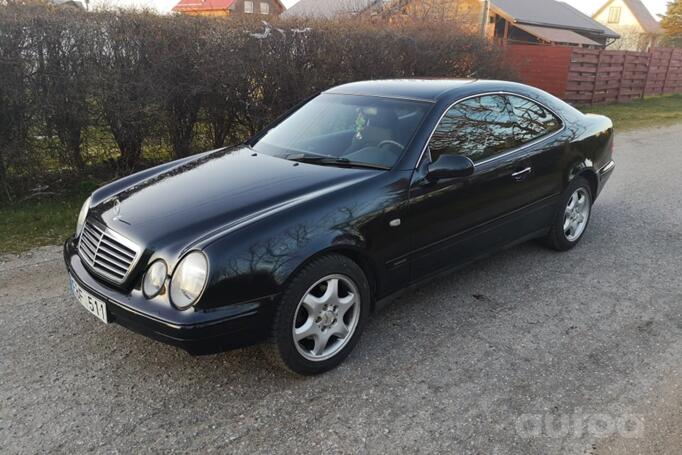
(196, 331)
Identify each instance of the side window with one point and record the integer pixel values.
(478, 128)
(531, 121)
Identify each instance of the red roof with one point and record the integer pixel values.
(203, 5)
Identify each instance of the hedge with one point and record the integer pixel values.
(103, 94)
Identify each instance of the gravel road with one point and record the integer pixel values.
(528, 352)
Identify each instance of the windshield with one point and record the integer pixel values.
(346, 129)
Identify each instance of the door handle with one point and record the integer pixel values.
(522, 174)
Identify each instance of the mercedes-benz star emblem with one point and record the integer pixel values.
(117, 209)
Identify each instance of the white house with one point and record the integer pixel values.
(638, 28)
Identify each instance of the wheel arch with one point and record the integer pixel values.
(590, 175)
(360, 257)
(584, 169)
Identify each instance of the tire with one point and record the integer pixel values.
(571, 222)
(320, 316)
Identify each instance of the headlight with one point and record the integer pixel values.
(189, 280)
(82, 215)
(154, 279)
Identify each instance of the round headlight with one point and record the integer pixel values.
(154, 279)
(189, 280)
(82, 215)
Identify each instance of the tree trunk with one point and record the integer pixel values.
(76, 153)
(131, 152)
(72, 140)
(3, 181)
(219, 128)
(183, 118)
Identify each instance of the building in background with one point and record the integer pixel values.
(75, 4)
(638, 29)
(328, 9)
(465, 12)
(546, 22)
(542, 22)
(229, 7)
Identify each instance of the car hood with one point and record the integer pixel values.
(214, 193)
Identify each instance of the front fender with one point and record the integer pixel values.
(247, 269)
(257, 260)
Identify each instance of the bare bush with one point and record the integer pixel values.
(123, 80)
(83, 90)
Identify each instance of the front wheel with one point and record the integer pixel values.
(321, 316)
(573, 216)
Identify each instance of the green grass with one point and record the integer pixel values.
(33, 223)
(645, 113)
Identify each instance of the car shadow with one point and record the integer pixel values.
(456, 301)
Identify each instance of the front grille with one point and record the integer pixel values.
(107, 253)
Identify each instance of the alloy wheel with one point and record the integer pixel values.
(577, 214)
(326, 317)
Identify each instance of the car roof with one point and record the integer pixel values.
(428, 90)
(444, 92)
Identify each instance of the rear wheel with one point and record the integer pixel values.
(321, 316)
(573, 217)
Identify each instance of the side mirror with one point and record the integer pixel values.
(450, 167)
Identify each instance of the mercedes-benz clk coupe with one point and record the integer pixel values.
(295, 237)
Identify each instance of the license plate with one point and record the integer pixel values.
(89, 302)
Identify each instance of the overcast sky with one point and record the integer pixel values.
(587, 6)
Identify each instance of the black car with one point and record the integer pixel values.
(298, 235)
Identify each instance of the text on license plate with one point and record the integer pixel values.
(89, 302)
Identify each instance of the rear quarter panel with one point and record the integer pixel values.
(591, 148)
(589, 139)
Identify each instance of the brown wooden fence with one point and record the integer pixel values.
(592, 76)
(665, 72)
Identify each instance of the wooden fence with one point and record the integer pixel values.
(665, 72)
(589, 76)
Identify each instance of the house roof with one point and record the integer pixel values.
(328, 8)
(557, 35)
(203, 5)
(73, 3)
(550, 13)
(641, 13)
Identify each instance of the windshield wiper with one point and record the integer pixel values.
(333, 161)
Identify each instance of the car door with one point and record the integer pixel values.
(454, 221)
